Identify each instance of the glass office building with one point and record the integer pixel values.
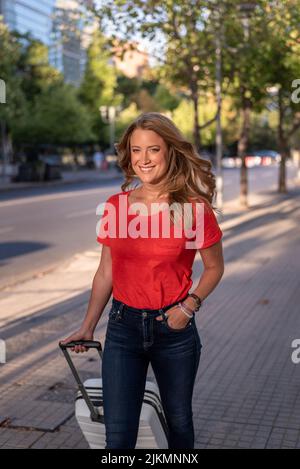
(56, 23)
(34, 16)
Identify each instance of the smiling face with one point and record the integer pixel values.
(148, 155)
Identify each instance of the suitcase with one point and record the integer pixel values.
(153, 429)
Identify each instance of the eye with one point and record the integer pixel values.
(135, 150)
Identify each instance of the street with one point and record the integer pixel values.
(39, 231)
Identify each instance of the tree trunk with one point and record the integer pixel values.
(242, 148)
(195, 99)
(283, 147)
(282, 167)
(4, 147)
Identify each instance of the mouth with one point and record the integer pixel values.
(146, 169)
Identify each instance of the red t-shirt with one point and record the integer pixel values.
(154, 271)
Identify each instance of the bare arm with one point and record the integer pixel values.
(213, 271)
(100, 294)
(101, 290)
(213, 261)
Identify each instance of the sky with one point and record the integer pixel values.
(153, 48)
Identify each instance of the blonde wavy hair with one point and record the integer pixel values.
(188, 176)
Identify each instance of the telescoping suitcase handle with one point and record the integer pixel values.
(95, 416)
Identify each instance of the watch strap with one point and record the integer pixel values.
(197, 299)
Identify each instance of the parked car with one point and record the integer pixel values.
(38, 170)
(230, 162)
(268, 157)
(262, 158)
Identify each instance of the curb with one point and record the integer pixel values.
(60, 182)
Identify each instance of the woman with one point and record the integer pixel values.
(152, 318)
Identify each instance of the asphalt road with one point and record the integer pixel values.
(41, 227)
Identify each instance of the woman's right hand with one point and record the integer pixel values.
(81, 334)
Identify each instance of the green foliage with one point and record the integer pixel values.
(10, 52)
(33, 66)
(55, 116)
(260, 50)
(40, 108)
(126, 116)
(127, 87)
(99, 83)
(165, 99)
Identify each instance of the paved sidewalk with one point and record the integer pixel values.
(54, 286)
(247, 392)
(248, 389)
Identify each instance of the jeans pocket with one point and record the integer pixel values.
(187, 326)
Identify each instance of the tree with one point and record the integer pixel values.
(245, 70)
(166, 99)
(10, 51)
(273, 65)
(187, 51)
(127, 87)
(33, 66)
(99, 82)
(284, 68)
(50, 111)
(55, 116)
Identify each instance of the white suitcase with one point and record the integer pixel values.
(153, 430)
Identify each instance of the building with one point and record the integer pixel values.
(29, 16)
(134, 62)
(59, 24)
(72, 30)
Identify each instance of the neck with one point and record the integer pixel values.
(150, 191)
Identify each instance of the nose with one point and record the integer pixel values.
(145, 159)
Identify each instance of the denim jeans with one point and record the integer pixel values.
(134, 338)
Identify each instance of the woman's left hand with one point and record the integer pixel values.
(176, 318)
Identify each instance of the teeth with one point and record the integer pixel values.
(146, 170)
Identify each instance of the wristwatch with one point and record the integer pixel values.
(197, 299)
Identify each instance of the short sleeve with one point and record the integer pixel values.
(103, 236)
(208, 231)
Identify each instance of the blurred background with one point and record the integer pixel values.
(73, 76)
(77, 72)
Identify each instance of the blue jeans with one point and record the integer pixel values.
(133, 339)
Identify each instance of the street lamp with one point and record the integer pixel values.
(218, 88)
(246, 10)
(216, 10)
(108, 115)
